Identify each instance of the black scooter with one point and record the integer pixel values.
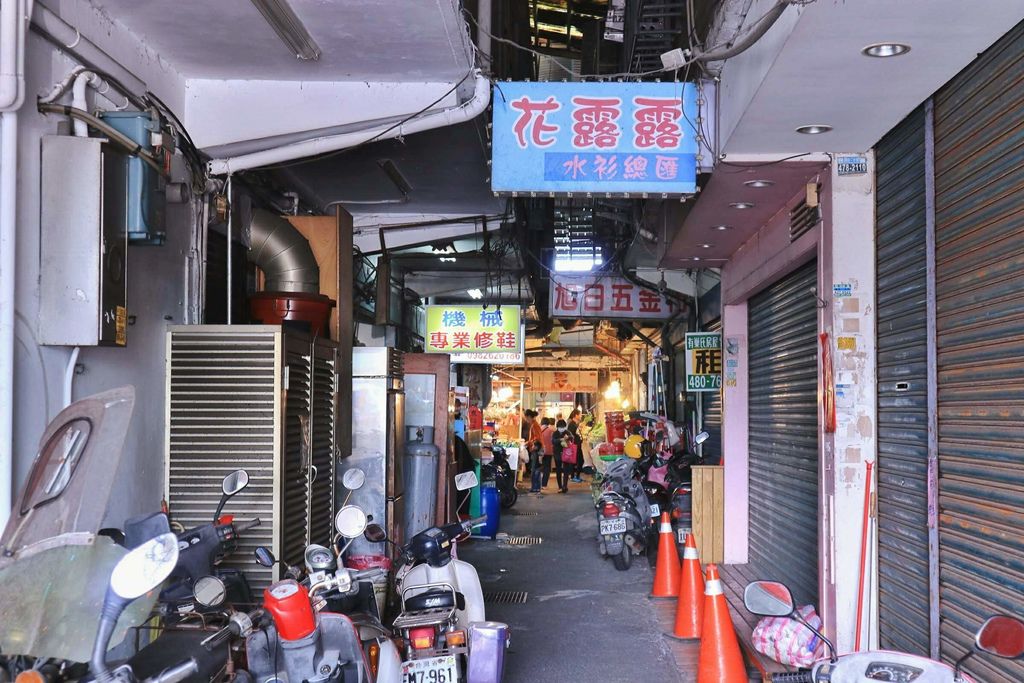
(198, 584)
(501, 473)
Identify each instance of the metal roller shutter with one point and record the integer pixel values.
(903, 577)
(712, 414)
(979, 278)
(783, 433)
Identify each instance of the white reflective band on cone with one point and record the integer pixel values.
(666, 527)
(690, 553)
(714, 587)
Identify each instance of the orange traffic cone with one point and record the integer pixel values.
(690, 608)
(666, 574)
(720, 658)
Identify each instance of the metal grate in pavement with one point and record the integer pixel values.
(506, 597)
(517, 513)
(524, 540)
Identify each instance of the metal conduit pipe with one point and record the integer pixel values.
(283, 254)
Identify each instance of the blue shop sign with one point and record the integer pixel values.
(595, 137)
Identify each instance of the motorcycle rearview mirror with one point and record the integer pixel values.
(774, 599)
(141, 570)
(1001, 636)
(210, 591)
(231, 485)
(768, 599)
(353, 479)
(701, 438)
(350, 521)
(375, 533)
(264, 557)
(465, 481)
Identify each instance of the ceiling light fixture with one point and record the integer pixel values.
(695, 258)
(814, 129)
(289, 28)
(475, 293)
(446, 259)
(759, 183)
(706, 246)
(721, 228)
(885, 50)
(742, 205)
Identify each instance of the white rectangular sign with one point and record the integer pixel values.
(605, 296)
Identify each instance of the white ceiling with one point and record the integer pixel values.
(818, 75)
(376, 40)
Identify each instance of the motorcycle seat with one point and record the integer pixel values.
(434, 599)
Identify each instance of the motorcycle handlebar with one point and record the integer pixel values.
(475, 522)
(245, 526)
(805, 676)
(176, 674)
(367, 574)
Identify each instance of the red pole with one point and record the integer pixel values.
(863, 553)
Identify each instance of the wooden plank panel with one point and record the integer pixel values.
(708, 512)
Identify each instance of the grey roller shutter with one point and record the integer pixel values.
(783, 433)
(712, 413)
(979, 279)
(903, 578)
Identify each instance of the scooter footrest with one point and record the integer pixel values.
(427, 617)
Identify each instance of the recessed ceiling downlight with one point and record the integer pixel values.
(742, 205)
(721, 228)
(814, 129)
(883, 50)
(759, 183)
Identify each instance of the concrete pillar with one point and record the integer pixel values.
(848, 288)
(735, 431)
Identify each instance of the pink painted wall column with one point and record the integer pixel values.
(734, 432)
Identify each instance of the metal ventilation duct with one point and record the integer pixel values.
(283, 254)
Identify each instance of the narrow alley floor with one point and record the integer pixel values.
(582, 619)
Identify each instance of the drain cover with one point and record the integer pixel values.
(517, 513)
(524, 540)
(506, 597)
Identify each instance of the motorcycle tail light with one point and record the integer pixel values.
(455, 638)
(610, 510)
(677, 513)
(422, 638)
(374, 655)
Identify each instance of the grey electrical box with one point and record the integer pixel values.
(83, 250)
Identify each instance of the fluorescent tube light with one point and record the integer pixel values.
(475, 293)
(289, 28)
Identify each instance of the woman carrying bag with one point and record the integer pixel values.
(564, 447)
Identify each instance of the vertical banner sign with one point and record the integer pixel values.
(703, 361)
(628, 138)
(474, 334)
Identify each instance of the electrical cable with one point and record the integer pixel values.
(133, 148)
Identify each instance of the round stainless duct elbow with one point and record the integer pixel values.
(283, 254)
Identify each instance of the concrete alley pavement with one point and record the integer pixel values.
(583, 620)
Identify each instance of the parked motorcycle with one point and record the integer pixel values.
(668, 482)
(1002, 636)
(503, 476)
(198, 584)
(442, 622)
(624, 514)
(304, 640)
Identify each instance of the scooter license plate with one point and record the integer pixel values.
(433, 670)
(681, 534)
(613, 526)
(655, 510)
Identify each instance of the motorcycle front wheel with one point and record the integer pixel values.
(624, 559)
(509, 497)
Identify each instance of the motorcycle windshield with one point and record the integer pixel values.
(54, 570)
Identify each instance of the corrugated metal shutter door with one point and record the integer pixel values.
(979, 185)
(903, 581)
(783, 405)
(712, 410)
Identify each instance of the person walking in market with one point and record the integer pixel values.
(547, 431)
(535, 448)
(563, 470)
(573, 427)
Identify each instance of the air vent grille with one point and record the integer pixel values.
(802, 218)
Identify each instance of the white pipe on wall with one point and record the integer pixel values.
(69, 377)
(78, 99)
(466, 111)
(8, 221)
